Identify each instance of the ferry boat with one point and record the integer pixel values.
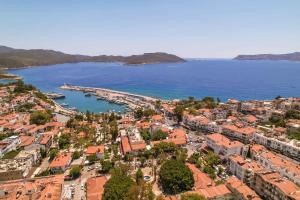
(64, 104)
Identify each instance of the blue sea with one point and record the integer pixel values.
(225, 79)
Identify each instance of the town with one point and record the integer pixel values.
(189, 149)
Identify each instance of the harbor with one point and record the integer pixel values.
(131, 101)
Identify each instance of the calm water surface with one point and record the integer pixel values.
(218, 78)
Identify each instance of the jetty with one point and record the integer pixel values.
(132, 101)
(53, 95)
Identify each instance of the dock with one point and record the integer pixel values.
(132, 101)
(53, 95)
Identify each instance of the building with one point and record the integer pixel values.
(128, 146)
(98, 150)
(177, 136)
(244, 134)
(61, 162)
(95, 187)
(271, 185)
(242, 168)
(240, 190)
(202, 180)
(281, 144)
(9, 144)
(46, 141)
(282, 165)
(222, 146)
(46, 188)
(219, 192)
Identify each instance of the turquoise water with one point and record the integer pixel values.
(5, 81)
(225, 79)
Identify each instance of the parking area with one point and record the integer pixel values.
(76, 189)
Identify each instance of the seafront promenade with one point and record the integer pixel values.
(132, 101)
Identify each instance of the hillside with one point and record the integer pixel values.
(16, 58)
(290, 56)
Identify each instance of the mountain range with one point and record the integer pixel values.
(290, 56)
(17, 58)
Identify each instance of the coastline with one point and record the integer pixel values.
(132, 101)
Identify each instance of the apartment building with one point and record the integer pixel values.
(290, 148)
(271, 185)
(223, 146)
(243, 168)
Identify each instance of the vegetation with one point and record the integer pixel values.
(191, 105)
(92, 158)
(142, 191)
(44, 173)
(75, 171)
(64, 141)
(39, 118)
(10, 57)
(139, 176)
(106, 166)
(117, 187)
(164, 147)
(11, 154)
(294, 135)
(192, 197)
(23, 88)
(53, 153)
(292, 114)
(175, 177)
(140, 113)
(76, 155)
(158, 135)
(25, 107)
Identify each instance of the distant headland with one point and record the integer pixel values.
(290, 56)
(18, 58)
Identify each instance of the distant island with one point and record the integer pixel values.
(18, 58)
(290, 56)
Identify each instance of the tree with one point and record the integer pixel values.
(212, 159)
(117, 187)
(64, 141)
(75, 172)
(114, 131)
(92, 158)
(192, 197)
(164, 147)
(106, 166)
(142, 191)
(194, 158)
(138, 114)
(175, 177)
(292, 114)
(39, 118)
(43, 153)
(178, 111)
(158, 135)
(139, 176)
(53, 153)
(76, 155)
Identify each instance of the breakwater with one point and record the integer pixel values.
(132, 101)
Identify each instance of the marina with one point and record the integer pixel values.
(132, 101)
(53, 95)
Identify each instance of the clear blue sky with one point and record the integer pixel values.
(188, 28)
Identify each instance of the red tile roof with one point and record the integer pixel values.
(95, 187)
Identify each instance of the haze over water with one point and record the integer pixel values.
(225, 79)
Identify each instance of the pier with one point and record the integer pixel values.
(53, 95)
(132, 101)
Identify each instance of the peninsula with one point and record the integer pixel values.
(290, 56)
(18, 58)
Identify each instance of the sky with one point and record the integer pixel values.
(187, 28)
